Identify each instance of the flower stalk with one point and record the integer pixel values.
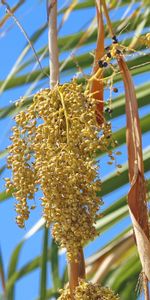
(53, 43)
(76, 270)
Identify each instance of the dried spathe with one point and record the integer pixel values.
(89, 291)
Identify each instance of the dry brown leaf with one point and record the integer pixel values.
(137, 194)
(100, 263)
(112, 258)
(144, 252)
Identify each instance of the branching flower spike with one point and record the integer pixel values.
(53, 146)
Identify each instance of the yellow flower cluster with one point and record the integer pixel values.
(19, 160)
(53, 145)
(89, 291)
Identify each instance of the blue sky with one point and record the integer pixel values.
(31, 17)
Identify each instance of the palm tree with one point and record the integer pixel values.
(112, 258)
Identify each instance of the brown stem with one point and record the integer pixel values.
(97, 85)
(76, 270)
(53, 43)
(107, 18)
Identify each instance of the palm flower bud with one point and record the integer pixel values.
(86, 290)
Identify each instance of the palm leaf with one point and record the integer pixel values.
(43, 280)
